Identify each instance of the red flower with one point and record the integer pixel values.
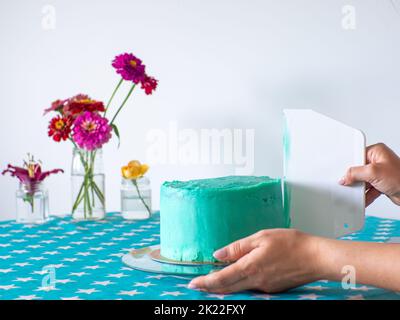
(60, 128)
(149, 84)
(81, 103)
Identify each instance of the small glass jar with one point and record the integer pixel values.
(32, 203)
(136, 198)
(88, 185)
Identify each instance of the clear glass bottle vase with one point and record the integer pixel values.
(32, 203)
(88, 185)
(136, 198)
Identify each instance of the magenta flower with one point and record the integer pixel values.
(91, 131)
(30, 175)
(129, 67)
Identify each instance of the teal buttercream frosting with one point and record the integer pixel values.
(201, 216)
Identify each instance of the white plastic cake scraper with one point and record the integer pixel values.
(318, 151)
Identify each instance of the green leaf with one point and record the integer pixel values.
(115, 128)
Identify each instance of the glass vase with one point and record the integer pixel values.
(88, 185)
(32, 203)
(136, 198)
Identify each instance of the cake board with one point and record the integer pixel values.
(148, 259)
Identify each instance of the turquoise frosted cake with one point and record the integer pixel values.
(201, 216)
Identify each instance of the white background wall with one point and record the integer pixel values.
(221, 64)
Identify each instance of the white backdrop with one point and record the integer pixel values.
(221, 64)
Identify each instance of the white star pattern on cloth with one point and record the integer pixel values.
(37, 258)
(40, 272)
(64, 247)
(51, 253)
(47, 288)
(6, 270)
(143, 284)
(8, 287)
(130, 293)
(47, 241)
(78, 274)
(5, 257)
(78, 242)
(265, 296)
(117, 275)
(102, 283)
(108, 243)
(85, 254)
(96, 249)
(22, 264)
(361, 288)
(19, 251)
(87, 291)
(59, 237)
(218, 296)
(311, 296)
(71, 298)
(317, 288)
(92, 267)
(106, 260)
(172, 293)
(119, 239)
(25, 279)
(32, 236)
(150, 239)
(30, 297)
(4, 245)
(63, 281)
(34, 246)
(70, 259)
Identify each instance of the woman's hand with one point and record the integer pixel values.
(381, 174)
(270, 260)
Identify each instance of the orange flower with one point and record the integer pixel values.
(134, 170)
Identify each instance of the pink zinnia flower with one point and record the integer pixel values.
(91, 131)
(149, 84)
(129, 67)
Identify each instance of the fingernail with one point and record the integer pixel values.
(192, 286)
(342, 181)
(220, 254)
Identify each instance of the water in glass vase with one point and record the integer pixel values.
(88, 185)
(32, 208)
(90, 208)
(134, 205)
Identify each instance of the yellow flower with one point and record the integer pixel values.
(134, 170)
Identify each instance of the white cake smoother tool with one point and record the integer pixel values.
(318, 151)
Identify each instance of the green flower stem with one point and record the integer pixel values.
(89, 189)
(112, 96)
(140, 196)
(123, 103)
(30, 199)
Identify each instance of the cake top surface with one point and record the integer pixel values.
(221, 183)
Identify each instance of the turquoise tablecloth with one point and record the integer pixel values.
(84, 259)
